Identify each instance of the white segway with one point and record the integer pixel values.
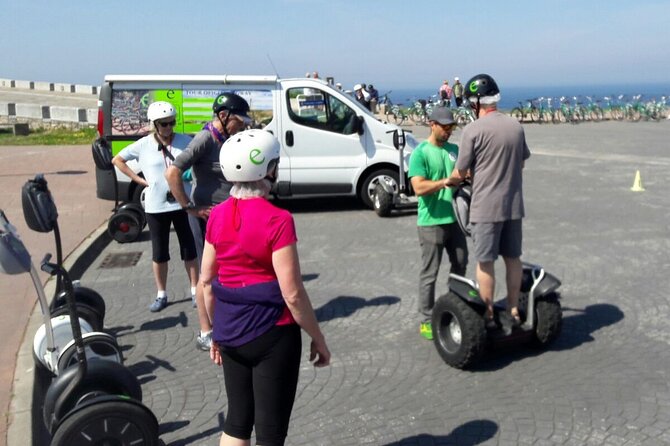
(53, 345)
(388, 196)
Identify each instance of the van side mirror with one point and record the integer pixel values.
(360, 125)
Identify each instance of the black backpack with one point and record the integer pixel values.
(102, 154)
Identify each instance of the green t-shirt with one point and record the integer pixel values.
(434, 163)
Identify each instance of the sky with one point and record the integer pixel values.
(391, 43)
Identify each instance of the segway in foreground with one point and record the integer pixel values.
(460, 333)
(389, 196)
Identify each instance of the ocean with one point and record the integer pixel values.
(511, 96)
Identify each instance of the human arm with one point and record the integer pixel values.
(122, 165)
(287, 268)
(173, 175)
(423, 186)
(208, 272)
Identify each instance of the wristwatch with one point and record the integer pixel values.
(189, 205)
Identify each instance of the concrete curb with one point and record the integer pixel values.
(49, 86)
(20, 426)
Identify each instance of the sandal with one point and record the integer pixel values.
(489, 321)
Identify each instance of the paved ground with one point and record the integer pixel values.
(604, 381)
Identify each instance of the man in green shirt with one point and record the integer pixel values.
(430, 165)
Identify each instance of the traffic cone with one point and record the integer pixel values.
(637, 184)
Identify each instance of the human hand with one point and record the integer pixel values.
(319, 353)
(215, 354)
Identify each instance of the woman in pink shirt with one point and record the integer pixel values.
(255, 296)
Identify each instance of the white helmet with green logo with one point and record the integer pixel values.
(249, 155)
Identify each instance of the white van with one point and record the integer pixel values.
(330, 144)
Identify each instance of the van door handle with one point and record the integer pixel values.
(289, 138)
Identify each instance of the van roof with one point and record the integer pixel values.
(199, 78)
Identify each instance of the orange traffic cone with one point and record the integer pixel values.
(637, 184)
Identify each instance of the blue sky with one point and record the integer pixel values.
(391, 43)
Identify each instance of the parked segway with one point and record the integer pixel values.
(460, 334)
(41, 215)
(95, 402)
(386, 196)
(128, 219)
(53, 346)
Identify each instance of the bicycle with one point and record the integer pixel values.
(522, 112)
(464, 115)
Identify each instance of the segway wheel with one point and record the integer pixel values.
(136, 209)
(84, 311)
(382, 201)
(86, 296)
(102, 378)
(124, 227)
(549, 321)
(108, 420)
(98, 346)
(459, 333)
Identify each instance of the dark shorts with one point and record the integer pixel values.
(159, 229)
(498, 238)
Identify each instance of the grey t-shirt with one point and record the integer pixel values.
(210, 187)
(494, 148)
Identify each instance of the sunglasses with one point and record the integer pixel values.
(167, 124)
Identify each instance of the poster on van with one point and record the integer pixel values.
(194, 108)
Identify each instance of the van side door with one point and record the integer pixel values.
(320, 135)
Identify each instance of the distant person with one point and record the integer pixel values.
(494, 149)
(154, 153)
(315, 75)
(256, 297)
(361, 95)
(338, 86)
(431, 163)
(374, 98)
(445, 94)
(457, 91)
(308, 74)
(210, 186)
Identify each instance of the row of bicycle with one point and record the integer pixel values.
(586, 108)
(420, 110)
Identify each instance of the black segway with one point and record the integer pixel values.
(386, 196)
(460, 333)
(95, 402)
(128, 219)
(41, 215)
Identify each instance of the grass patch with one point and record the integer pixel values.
(49, 137)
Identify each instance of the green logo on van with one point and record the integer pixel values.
(253, 157)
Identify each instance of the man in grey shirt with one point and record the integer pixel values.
(210, 187)
(493, 149)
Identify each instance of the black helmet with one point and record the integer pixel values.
(481, 85)
(231, 102)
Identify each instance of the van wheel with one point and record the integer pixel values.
(367, 190)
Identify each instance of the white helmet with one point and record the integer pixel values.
(246, 156)
(160, 110)
(357, 87)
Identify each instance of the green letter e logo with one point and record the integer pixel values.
(253, 157)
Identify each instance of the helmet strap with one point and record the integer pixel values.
(224, 130)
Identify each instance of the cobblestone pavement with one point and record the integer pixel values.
(604, 381)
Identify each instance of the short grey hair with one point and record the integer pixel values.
(251, 189)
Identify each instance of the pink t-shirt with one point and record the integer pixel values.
(245, 233)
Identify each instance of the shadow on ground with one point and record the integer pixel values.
(578, 329)
(345, 306)
(468, 434)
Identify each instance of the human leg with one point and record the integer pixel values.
(239, 421)
(485, 240)
(430, 240)
(510, 249)
(275, 382)
(186, 245)
(159, 230)
(487, 282)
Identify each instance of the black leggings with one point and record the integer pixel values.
(159, 229)
(261, 379)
